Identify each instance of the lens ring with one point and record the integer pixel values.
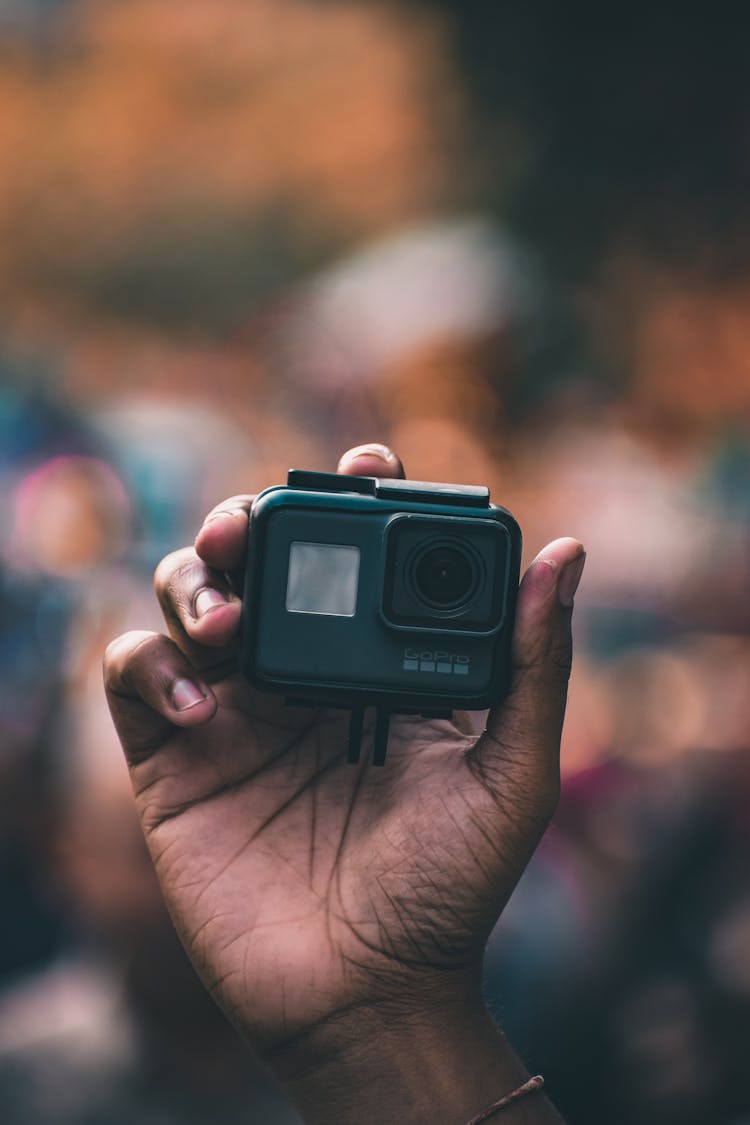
(444, 574)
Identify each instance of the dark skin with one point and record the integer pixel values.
(338, 913)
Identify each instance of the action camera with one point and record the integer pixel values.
(368, 592)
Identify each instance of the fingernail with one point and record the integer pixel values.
(222, 515)
(382, 452)
(569, 580)
(186, 694)
(207, 600)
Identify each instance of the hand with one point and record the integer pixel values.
(305, 888)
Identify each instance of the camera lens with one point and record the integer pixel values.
(444, 575)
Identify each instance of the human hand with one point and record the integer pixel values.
(303, 887)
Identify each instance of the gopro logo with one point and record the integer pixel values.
(449, 663)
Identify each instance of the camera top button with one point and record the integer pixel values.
(428, 492)
(330, 482)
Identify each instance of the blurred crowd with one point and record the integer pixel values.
(259, 234)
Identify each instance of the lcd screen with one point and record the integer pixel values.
(323, 578)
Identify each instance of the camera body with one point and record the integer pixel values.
(362, 591)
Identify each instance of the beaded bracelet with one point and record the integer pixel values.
(529, 1087)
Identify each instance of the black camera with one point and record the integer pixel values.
(397, 594)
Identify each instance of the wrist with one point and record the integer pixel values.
(438, 1062)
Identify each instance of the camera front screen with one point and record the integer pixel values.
(323, 578)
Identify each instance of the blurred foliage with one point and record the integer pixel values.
(155, 163)
(199, 267)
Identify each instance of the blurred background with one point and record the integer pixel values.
(511, 241)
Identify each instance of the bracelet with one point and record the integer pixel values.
(529, 1087)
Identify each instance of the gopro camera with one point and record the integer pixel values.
(395, 594)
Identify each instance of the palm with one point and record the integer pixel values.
(296, 879)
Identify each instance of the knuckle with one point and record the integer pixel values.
(175, 575)
(174, 563)
(120, 654)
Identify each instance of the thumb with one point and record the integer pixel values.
(518, 756)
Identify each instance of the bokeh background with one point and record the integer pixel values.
(510, 240)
